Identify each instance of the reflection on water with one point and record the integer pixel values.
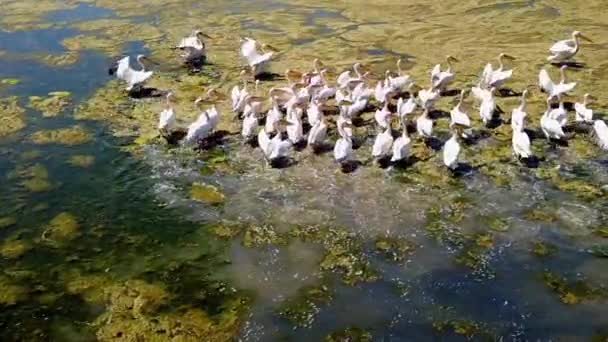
(303, 252)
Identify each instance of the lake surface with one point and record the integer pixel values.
(109, 233)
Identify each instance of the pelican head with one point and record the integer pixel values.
(270, 48)
(588, 97)
(197, 102)
(524, 94)
(578, 34)
(169, 96)
(505, 56)
(451, 59)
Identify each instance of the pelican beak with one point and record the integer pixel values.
(150, 60)
(270, 47)
(206, 35)
(509, 57)
(591, 97)
(453, 59)
(586, 38)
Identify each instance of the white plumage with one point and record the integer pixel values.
(131, 76)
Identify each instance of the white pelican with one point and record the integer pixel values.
(457, 115)
(550, 127)
(361, 92)
(488, 106)
(194, 45)
(131, 76)
(601, 133)
(326, 92)
(316, 77)
(401, 82)
(317, 133)
(383, 115)
(166, 122)
(343, 150)
(405, 108)
(565, 50)
(428, 97)
(519, 114)
(451, 150)
(313, 112)
(584, 114)
(424, 125)
(275, 148)
(402, 145)
(560, 114)
(273, 116)
(345, 121)
(555, 89)
(250, 124)
(441, 79)
(383, 89)
(382, 144)
(521, 144)
(294, 129)
(346, 80)
(203, 126)
(479, 92)
(258, 63)
(495, 78)
(239, 95)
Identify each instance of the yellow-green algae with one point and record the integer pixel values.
(543, 249)
(36, 178)
(7, 221)
(51, 105)
(573, 292)
(350, 334)
(257, 236)
(75, 135)
(11, 293)
(65, 59)
(10, 81)
(394, 249)
(12, 116)
(207, 194)
(61, 229)
(82, 160)
(14, 248)
(302, 309)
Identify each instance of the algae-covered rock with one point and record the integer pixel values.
(63, 228)
(12, 117)
(303, 308)
(74, 135)
(10, 293)
(14, 248)
(351, 334)
(207, 194)
(137, 295)
(51, 105)
(257, 236)
(91, 288)
(81, 160)
(394, 249)
(543, 249)
(7, 221)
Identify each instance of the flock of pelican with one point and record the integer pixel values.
(305, 102)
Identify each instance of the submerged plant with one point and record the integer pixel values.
(12, 116)
(7, 221)
(36, 178)
(351, 334)
(52, 105)
(207, 194)
(14, 248)
(394, 249)
(10, 293)
(303, 308)
(80, 160)
(75, 135)
(63, 228)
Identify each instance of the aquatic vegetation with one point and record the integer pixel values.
(81, 160)
(461, 327)
(603, 232)
(75, 135)
(36, 178)
(7, 221)
(257, 236)
(394, 249)
(91, 288)
(540, 215)
(573, 292)
(52, 105)
(12, 116)
(10, 293)
(10, 81)
(18, 15)
(302, 309)
(600, 251)
(207, 194)
(14, 248)
(350, 334)
(61, 229)
(497, 224)
(226, 230)
(65, 59)
(543, 249)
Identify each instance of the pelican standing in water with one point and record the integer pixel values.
(401, 82)
(259, 63)
(560, 114)
(166, 121)
(239, 95)
(402, 145)
(519, 114)
(555, 89)
(203, 126)
(383, 115)
(343, 150)
(276, 148)
(318, 133)
(382, 144)
(406, 108)
(442, 79)
(601, 134)
(295, 133)
(551, 127)
(488, 106)
(457, 115)
(495, 78)
(424, 125)
(428, 97)
(451, 150)
(521, 143)
(133, 78)
(584, 114)
(347, 80)
(565, 50)
(194, 48)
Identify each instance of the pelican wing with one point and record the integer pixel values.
(343, 150)
(521, 144)
(480, 93)
(264, 142)
(123, 68)
(436, 71)
(601, 133)
(562, 88)
(343, 79)
(562, 46)
(459, 117)
(424, 126)
(401, 148)
(451, 150)
(545, 82)
(499, 77)
(486, 75)
(235, 95)
(382, 145)
(167, 120)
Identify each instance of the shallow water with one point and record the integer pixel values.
(502, 252)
